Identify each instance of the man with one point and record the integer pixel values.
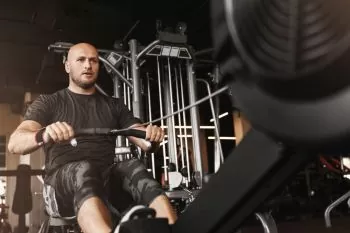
(75, 176)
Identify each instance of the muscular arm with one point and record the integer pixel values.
(22, 140)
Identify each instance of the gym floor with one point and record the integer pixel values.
(339, 225)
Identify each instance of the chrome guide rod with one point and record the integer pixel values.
(216, 131)
(179, 117)
(125, 64)
(162, 121)
(174, 155)
(150, 119)
(128, 93)
(218, 160)
(185, 124)
(168, 107)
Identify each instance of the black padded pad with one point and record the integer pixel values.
(22, 201)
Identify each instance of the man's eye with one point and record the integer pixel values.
(81, 59)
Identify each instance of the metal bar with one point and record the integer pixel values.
(66, 47)
(116, 87)
(128, 92)
(172, 117)
(217, 143)
(169, 120)
(136, 94)
(264, 164)
(130, 30)
(161, 115)
(150, 119)
(190, 127)
(185, 123)
(119, 75)
(124, 85)
(337, 202)
(63, 48)
(179, 117)
(99, 89)
(192, 92)
(145, 50)
(120, 140)
(203, 61)
(268, 222)
(204, 52)
(31, 172)
(215, 119)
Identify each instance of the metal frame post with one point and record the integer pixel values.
(120, 141)
(135, 73)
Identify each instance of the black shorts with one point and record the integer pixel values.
(121, 185)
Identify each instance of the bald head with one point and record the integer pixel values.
(82, 65)
(78, 48)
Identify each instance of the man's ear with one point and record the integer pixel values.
(67, 67)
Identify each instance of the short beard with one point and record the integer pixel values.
(82, 85)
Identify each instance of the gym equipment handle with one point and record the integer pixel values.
(107, 131)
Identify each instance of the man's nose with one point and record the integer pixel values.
(87, 64)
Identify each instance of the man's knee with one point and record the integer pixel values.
(163, 208)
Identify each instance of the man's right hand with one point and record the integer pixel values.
(58, 132)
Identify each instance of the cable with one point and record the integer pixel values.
(215, 93)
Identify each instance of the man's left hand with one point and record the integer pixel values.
(154, 134)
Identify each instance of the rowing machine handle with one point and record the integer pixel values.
(107, 131)
(134, 133)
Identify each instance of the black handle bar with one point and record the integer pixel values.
(108, 131)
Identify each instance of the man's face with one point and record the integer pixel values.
(83, 66)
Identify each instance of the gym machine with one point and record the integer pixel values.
(286, 65)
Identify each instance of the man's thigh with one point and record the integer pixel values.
(69, 186)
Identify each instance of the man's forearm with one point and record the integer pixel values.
(22, 142)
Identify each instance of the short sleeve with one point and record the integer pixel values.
(124, 116)
(40, 110)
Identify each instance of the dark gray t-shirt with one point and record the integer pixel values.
(80, 111)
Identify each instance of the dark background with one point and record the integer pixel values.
(27, 27)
